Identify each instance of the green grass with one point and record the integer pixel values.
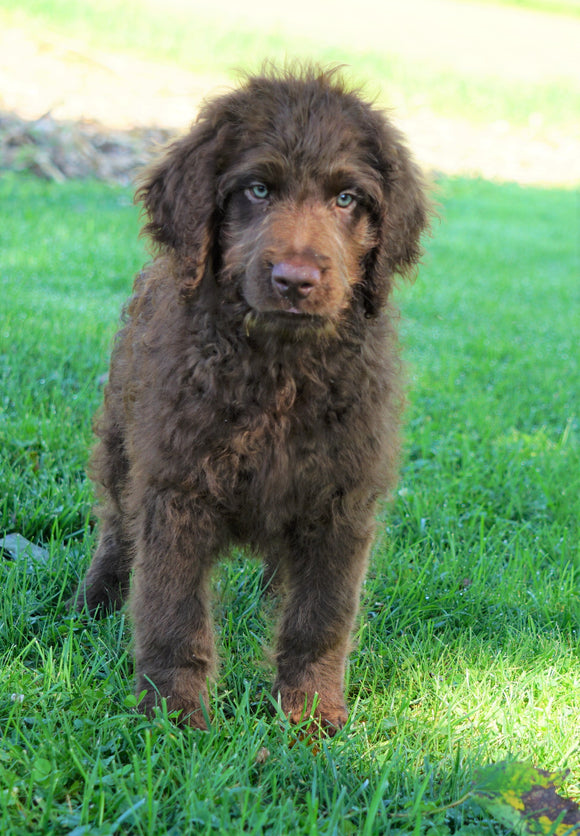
(468, 643)
(208, 43)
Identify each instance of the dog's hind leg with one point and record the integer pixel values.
(106, 583)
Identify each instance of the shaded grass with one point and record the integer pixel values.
(209, 44)
(468, 643)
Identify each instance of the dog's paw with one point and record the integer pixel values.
(186, 706)
(182, 712)
(327, 712)
(97, 598)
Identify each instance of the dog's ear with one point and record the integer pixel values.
(178, 193)
(403, 217)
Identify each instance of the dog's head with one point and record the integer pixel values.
(296, 192)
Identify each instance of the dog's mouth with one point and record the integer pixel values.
(288, 324)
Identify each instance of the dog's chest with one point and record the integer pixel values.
(288, 447)
(276, 430)
(263, 427)
(255, 434)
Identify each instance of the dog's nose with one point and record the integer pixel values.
(295, 280)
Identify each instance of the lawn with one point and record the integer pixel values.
(467, 649)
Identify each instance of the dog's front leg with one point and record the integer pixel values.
(174, 646)
(323, 577)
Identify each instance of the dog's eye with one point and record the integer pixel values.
(344, 200)
(258, 191)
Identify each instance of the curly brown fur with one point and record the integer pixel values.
(254, 392)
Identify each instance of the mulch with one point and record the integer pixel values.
(59, 151)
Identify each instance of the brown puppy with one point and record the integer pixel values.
(253, 395)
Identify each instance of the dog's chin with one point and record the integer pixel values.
(288, 326)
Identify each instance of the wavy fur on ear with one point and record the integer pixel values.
(404, 216)
(178, 193)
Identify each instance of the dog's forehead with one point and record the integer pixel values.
(296, 132)
(304, 117)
